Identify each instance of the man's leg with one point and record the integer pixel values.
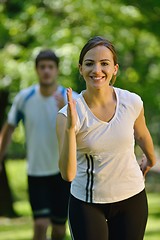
(60, 198)
(58, 232)
(40, 198)
(40, 228)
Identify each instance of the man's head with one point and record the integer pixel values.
(46, 64)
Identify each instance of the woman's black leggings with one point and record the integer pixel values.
(124, 220)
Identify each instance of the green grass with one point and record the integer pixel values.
(21, 228)
(153, 225)
(16, 229)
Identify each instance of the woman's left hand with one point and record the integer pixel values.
(145, 165)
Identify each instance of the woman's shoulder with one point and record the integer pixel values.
(128, 96)
(130, 101)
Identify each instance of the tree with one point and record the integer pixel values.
(6, 201)
(65, 25)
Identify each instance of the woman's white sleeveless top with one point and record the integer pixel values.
(107, 169)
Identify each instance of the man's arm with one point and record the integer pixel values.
(5, 138)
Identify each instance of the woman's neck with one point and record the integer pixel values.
(100, 97)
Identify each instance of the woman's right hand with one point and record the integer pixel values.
(71, 110)
(145, 165)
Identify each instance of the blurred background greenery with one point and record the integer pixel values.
(65, 25)
(26, 27)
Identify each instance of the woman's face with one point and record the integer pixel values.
(98, 67)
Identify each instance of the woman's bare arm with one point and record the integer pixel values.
(67, 140)
(145, 142)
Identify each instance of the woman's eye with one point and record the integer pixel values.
(89, 64)
(104, 63)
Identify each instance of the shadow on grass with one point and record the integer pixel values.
(155, 215)
(153, 233)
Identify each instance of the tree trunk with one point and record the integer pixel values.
(6, 200)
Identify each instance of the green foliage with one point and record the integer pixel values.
(65, 25)
(17, 148)
(16, 172)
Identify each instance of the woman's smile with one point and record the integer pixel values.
(95, 78)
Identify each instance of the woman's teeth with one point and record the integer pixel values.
(97, 78)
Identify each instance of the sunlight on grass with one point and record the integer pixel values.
(21, 228)
(16, 229)
(22, 208)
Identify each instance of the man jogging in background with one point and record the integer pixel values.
(37, 107)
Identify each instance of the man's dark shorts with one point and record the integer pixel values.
(49, 197)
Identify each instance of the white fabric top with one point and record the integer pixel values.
(107, 169)
(39, 117)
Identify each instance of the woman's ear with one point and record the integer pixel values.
(80, 68)
(116, 67)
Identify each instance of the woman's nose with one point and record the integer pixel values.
(96, 68)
